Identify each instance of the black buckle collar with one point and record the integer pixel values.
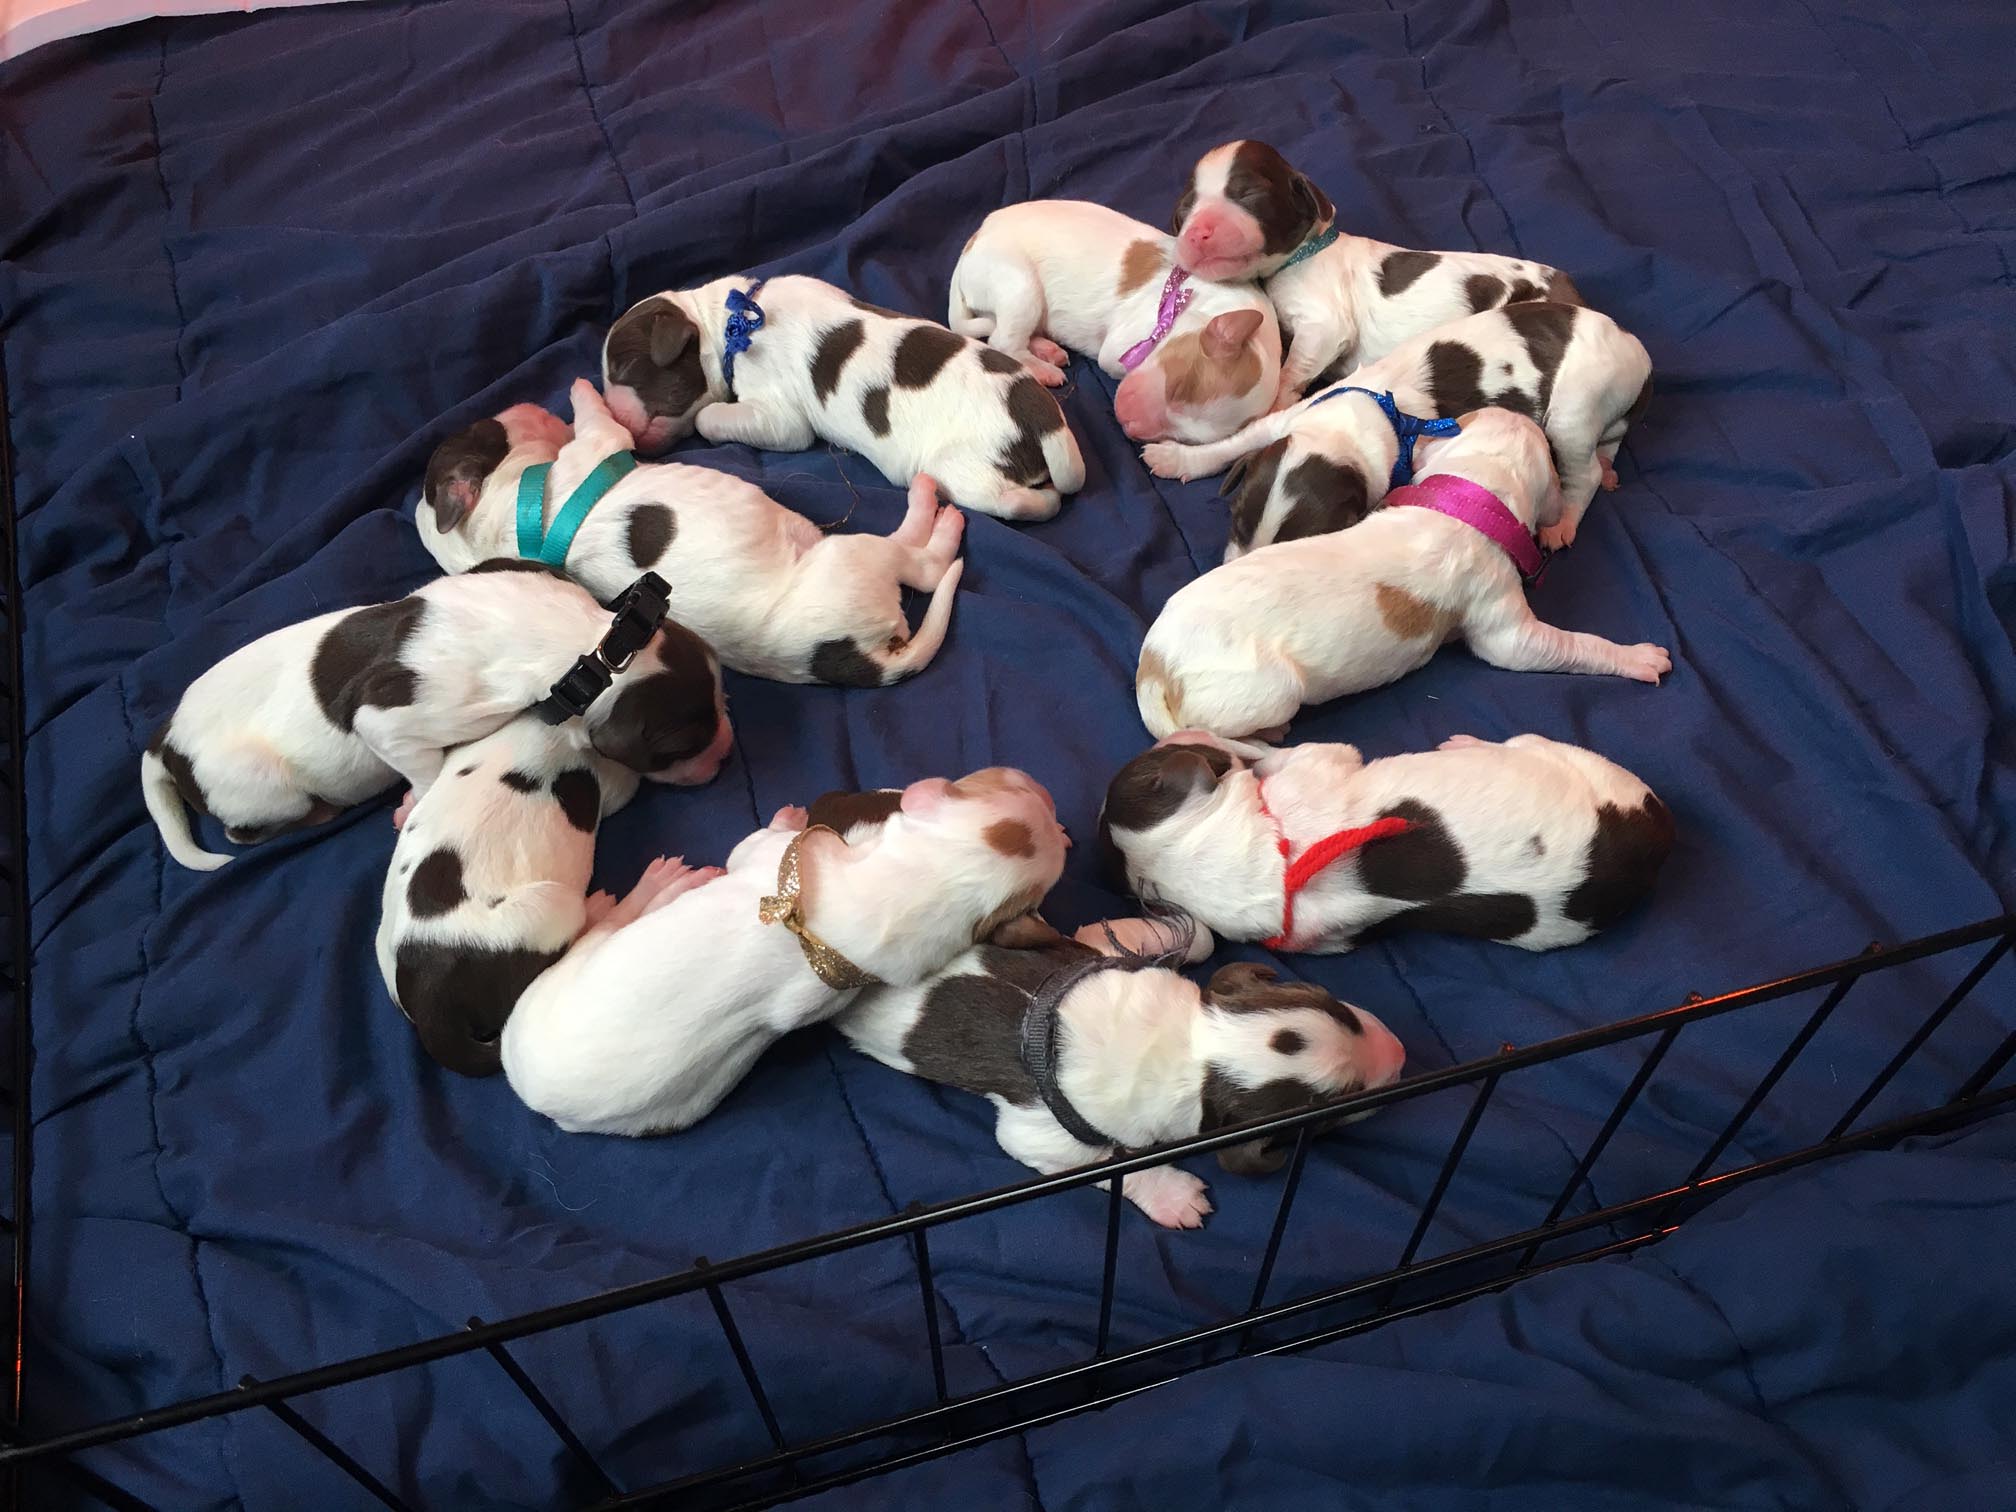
(637, 613)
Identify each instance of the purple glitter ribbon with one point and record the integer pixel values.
(1175, 296)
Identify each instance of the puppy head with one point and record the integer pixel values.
(1244, 211)
(666, 714)
(1205, 380)
(1506, 452)
(652, 376)
(1271, 1047)
(1288, 491)
(1155, 795)
(461, 466)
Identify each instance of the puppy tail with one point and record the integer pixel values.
(1065, 461)
(171, 816)
(916, 655)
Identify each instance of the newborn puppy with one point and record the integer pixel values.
(1100, 283)
(1324, 463)
(661, 1007)
(1343, 300)
(1531, 842)
(1142, 1057)
(772, 594)
(780, 363)
(486, 886)
(1242, 648)
(304, 722)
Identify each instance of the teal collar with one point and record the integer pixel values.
(1310, 248)
(536, 542)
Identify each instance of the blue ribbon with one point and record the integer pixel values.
(1310, 248)
(537, 542)
(1405, 426)
(745, 319)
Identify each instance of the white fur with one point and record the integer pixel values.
(1054, 268)
(488, 646)
(758, 582)
(659, 1010)
(1244, 647)
(955, 429)
(1218, 857)
(1602, 373)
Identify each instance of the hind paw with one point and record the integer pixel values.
(1043, 349)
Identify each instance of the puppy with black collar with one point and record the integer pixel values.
(306, 721)
(1241, 649)
(771, 593)
(1322, 465)
(1083, 1058)
(1195, 360)
(488, 882)
(1343, 300)
(1531, 842)
(783, 362)
(661, 1007)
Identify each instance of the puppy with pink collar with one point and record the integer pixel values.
(1530, 842)
(1195, 360)
(1239, 650)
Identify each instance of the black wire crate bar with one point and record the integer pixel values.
(1408, 1283)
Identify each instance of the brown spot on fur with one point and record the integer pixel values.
(1141, 262)
(1409, 617)
(1193, 378)
(1153, 672)
(1011, 837)
(1025, 902)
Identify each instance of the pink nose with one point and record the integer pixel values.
(1141, 419)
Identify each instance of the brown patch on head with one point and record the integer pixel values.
(1141, 262)
(1409, 617)
(1285, 205)
(1011, 837)
(1249, 987)
(841, 811)
(987, 781)
(1192, 376)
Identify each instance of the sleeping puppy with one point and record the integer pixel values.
(1346, 300)
(811, 363)
(660, 1008)
(1099, 283)
(486, 887)
(1239, 650)
(772, 594)
(1324, 463)
(1531, 842)
(1143, 1057)
(304, 722)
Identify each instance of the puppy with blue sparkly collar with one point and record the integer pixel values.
(784, 362)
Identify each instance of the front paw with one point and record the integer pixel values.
(1049, 374)
(1462, 743)
(1173, 1198)
(1168, 459)
(1043, 349)
(405, 810)
(791, 818)
(1644, 663)
(1558, 536)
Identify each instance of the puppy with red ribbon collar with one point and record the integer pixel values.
(1195, 360)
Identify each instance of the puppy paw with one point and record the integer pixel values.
(1558, 536)
(1043, 349)
(1171, 1197)
(1046, 373)
(599, 906)
(1609, 474)
(1644, 663)
(405, 810)
(947, 531)
(1168, 459)
(1285, 397)
(684, 880)
(791, 818)
(1461, 743)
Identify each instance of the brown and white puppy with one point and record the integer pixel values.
(1144, 1057)
(1322, 464)
(1531, 842)
(1241, 649)
(660, 1008)
(304, 722)
(1093, 280)
(764, 586)
(487, 884)
(904, 392)
(1247, 213)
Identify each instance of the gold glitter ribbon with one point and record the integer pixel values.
(787, 907)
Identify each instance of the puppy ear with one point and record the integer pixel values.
(459, 468)
(1234, 475)
(1183, 208)
(1023, 932)
(670, 331)
(1226, 336)
(1313, 203)
(1258, 1157)
(1243, 984)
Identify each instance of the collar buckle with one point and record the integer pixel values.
(638, 612)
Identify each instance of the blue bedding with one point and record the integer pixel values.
(253, 270)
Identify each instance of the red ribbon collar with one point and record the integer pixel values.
(1299, 871)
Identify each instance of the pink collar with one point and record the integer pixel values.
(1480, 509)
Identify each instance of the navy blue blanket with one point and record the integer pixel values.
(251, 271)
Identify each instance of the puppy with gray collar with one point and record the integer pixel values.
(661, 1007)
(1343, 300)
(1323, 464)
(1195, 360)
(1241, 649)
(1531, 842)
(1119, 1059)
(488, 883)
(783, 362)
(771, 593)
(308, 720)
